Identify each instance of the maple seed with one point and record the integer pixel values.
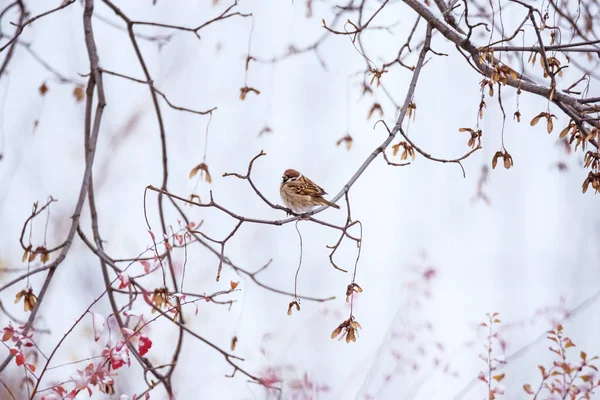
(376, 75)
(408, 150)
(351, 289)
(204, 174)
(592, 159)
(348, 328)
(594, 180)
(502, 73)
(475, 138)
(366, 90)
(347, 140)
(481, 107)
(375, 107)
(508, 161)
(264, 130)
(548, 116)
(29, 299)
(248, 59)
(411, 111)
(295, 302)
(565, 131)
(194, 198)
(245, 90)
(26, 253)
(160, 298)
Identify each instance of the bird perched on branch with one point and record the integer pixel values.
(300, 194)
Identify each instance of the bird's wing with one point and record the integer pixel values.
(307, 187)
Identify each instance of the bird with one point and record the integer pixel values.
(300, 194)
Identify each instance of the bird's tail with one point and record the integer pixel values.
(329, 203)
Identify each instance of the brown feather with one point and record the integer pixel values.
(300, 194)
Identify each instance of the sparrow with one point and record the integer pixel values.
(300, 194)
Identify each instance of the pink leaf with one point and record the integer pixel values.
(146, 265)
(133, 313)
(60, 390)
(124, 278)
(127, 333)
(482, 377)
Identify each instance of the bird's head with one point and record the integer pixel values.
(290, 175)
